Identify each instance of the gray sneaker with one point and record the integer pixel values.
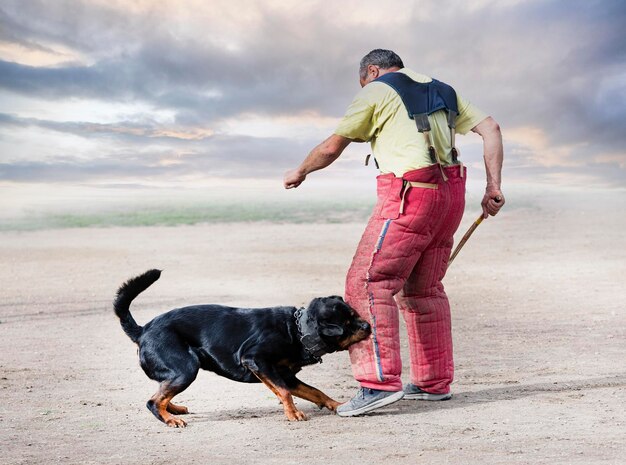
(367, 400)
(412, 392)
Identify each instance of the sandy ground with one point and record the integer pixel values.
(539, 325)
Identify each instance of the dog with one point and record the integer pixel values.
(250, 345)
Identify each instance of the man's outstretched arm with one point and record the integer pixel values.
(320, 157)
(493, 199)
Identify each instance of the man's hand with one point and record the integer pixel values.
(293, 178)
(320, 157)
(493, 201)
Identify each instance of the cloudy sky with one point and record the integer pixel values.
(202, 92)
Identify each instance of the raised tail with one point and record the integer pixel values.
(125, 295)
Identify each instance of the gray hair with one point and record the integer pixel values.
(384, 59)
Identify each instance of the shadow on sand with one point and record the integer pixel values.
(460, 400)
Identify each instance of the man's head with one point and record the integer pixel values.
(376, 63)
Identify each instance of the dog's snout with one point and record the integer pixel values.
(365, 326)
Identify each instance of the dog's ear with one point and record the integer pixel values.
(328, 329)
(338, 297)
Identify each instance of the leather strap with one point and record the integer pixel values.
(409, 184)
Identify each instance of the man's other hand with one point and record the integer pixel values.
(492, 202)
(293, 178)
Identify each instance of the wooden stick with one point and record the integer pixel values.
(467, 235)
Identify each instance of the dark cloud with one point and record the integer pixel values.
(557, 66)
(82, 25)
(561, 59)
(271, 75)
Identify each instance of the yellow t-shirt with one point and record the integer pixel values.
(377, 115)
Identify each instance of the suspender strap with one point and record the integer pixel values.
(419, 122)
(452, 125)
(434, 156)
(422, 123)
(453, 151)
(452, 119)
(367, 160)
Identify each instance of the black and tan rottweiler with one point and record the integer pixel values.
(250, 345)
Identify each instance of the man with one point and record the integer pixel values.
(405, 248)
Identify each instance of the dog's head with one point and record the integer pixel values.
(338, 325)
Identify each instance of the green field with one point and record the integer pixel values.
(185, 214)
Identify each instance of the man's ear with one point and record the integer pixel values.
(331, 330)
(374, 71)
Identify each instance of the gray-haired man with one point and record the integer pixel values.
(411, 121)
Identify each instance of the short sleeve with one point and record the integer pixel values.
(358, 122)
(469, 116)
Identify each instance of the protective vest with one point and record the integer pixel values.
(422, 99)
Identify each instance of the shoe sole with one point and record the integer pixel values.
(427, 396)
(373, 406)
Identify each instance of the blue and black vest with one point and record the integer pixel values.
(422, 99)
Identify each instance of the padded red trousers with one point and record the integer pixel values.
(400, 263)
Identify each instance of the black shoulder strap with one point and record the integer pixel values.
(423, 98)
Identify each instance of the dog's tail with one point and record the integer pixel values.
(125, 295)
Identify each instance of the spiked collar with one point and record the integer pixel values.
(309, 337)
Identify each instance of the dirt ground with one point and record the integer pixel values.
(539, 331)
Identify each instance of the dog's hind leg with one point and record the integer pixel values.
(160, 403)
(175, 369)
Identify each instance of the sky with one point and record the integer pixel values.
(151, 94)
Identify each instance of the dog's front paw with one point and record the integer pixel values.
(331, 405)
(175, 422)
(296, 415)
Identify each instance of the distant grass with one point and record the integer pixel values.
(295, 212)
